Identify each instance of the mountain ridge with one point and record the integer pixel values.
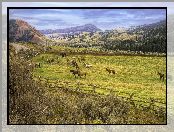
(76, 29)
(150, 37)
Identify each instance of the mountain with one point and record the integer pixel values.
(149, 27)
(73, 30)
(21, 31)
(146, 38)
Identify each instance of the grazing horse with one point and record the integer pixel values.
(110, 70)
(74, 72)
(161, 75)
(38, 65)
(74, 64)
(63, 54)
(77, 72)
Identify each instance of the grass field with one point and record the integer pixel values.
(51, 94)
(134, 74)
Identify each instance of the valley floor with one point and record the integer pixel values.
(51, 94)
(134, 74)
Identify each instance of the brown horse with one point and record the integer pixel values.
(38, 65)
(74, 64)
(77, 72)
(74, 72)
(63, 54)
(110, 70)
(161, 75)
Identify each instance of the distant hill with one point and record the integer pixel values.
(148, 27)
(73, 30)
(21, 31)
(146, 38)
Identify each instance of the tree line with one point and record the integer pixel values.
(147, 38)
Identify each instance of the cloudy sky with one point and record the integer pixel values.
(102, 18)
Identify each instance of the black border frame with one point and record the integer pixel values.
(8, 8)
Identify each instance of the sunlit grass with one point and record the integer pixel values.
(133, 74)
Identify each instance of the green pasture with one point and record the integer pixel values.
(134, 74)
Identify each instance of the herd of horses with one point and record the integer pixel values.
(78, 72)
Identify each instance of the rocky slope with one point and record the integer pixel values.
(21, 31)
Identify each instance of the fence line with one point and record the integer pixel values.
(93, 89)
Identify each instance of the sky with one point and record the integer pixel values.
(102, 18)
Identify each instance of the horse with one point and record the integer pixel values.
(110, 70)
(161, 75)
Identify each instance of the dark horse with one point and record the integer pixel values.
(161, 75)
(110, 70)
(63, 54)
(74, 72)
(79, 73)
(38, 65)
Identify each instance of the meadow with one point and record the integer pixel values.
(134, 75)
(42, 90)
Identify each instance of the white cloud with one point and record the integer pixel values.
(72, 19)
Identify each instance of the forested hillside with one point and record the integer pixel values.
(145, 38)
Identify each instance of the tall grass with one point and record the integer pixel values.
(32, 101)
